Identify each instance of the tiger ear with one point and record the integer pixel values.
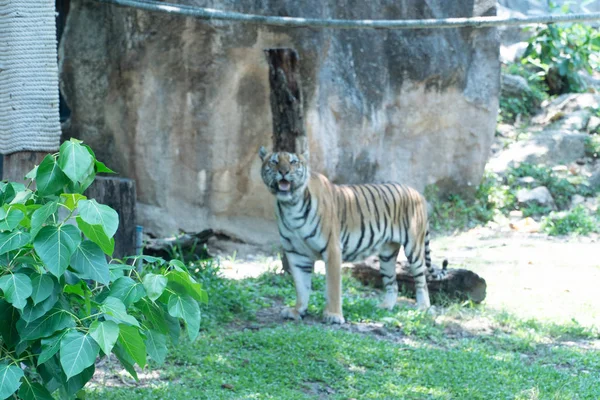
(306, 155)
(262, 153)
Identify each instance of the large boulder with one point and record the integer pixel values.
(547, 147)
(182, 105)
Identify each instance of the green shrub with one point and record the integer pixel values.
(592, 146)
(560, 52)
(562, 189)
(62, 304)
(576, 221)
(528, 102)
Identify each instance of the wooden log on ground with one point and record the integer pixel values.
(287, 109)
(17, 165)
(118, 193)
(458, 284)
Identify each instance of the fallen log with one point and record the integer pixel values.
(458, 284)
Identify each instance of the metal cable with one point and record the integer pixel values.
(477, 22)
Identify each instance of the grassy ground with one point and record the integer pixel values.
(462, 352)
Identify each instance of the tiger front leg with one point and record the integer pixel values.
(333, 309)
(301, 269)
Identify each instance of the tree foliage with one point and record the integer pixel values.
(64, 301)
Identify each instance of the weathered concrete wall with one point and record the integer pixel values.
(182, 105)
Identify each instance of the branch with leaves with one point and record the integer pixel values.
(64, 300)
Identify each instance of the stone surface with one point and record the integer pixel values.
(182, 105)
(594, 179)
(540, 196)
(593, 125)
(515, 86)
(547, 147)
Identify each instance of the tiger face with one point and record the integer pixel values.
(285, 174)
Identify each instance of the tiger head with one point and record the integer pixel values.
(285, 174)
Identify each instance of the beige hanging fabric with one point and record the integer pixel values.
(29, 118)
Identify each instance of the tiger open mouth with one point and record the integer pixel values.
(284, 186)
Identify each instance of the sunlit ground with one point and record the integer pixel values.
(553, 279)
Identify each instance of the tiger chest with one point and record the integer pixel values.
(302, 238)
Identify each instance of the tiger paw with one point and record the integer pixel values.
(387, 304)
(333, 318)
(291, 313)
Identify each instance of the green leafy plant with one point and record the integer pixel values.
(560, 52)
(562, 189)
(62, 304)
(576, 221)
(527, 102)
(592, 146)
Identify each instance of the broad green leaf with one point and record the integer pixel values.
(9, 316)
(32, 312)
(148, 259)
(41, 215)
(74, 385)
(7, 193)
(10, 219)
(50, 347)
(51, 373)
(174, 328)
(21, 197)
(178, 265)
(70, 200)
(99, 214)
(74, 160)
(10, 379)
(185, 284)
(55, 245)
(77, 352)
(115, 308)
(97, 235)
(55, 320)
(127, 290)
(155, 285)
(89, 262)
(133, 344)
(101, 168)
(154, 315)
(33, 391)
(21, 347)
(186, 308)
(10, 241)
(105, 333)
(156, 344)
(17, 288)
(43, 286)
(50, 179)
(31, 174)
(125, 359)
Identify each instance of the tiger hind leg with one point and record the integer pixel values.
(387, 262)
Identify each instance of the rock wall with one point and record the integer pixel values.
(182, 105)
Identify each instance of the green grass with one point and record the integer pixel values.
(414, 357)
(293, 361)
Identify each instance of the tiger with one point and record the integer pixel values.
(319, 220)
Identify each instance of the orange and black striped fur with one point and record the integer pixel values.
(318, 220)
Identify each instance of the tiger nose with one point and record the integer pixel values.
(284, 169)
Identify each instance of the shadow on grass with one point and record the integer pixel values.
(298, 361)
(412, 357)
